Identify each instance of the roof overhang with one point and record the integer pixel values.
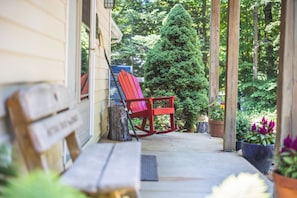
(116, 33)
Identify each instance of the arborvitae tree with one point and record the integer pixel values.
(174, 67)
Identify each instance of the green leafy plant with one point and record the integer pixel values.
(286, 159)
(7, 169)
(217, 110)
(242, 125)
(261, 133)
(39, 184)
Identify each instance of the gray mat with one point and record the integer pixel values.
(149, 170)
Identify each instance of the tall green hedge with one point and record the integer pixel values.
(174, 67)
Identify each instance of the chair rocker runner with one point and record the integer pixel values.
(145, 108)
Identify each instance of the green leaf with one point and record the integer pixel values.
(294, 175)
(288, 160)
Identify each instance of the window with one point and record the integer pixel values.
(85, 50)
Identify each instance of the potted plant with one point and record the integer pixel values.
(285, 172)
(242, 126)
(216, 120)
(258, 144)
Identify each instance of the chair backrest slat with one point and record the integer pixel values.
(132, 90)
(142, 104)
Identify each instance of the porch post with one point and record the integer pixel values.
(214, 51)
(232, 74)
(287, 84)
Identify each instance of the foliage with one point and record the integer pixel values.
(141, 22)
(261, 94)
(261, 133)
(286, 159)
(217, 110)
(243, 185)
(7, 169)
(161, 122)
(39, 184)
(36, 184)
(242, 124)
(84, 50)
(257, 75)
(174, 67)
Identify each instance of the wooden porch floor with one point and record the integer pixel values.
(191, 164)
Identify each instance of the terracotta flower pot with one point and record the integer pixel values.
(216, 128)
(284, 186)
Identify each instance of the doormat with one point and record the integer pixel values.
(149, 170)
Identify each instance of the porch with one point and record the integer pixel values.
(190, 164)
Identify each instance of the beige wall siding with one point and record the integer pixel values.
(33, 48)
(102, 73)
(32, 36)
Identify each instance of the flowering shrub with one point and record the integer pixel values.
(217, 110)
(261, 133)
(286, 160)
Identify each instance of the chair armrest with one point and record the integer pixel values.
(150, 101)
(170, 100)
(163, 98)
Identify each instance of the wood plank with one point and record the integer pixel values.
(47, 132)
(43, 100)
(73, 146)
(87, 169)
(127, 155)
(232, 75)
(214, 51)
(287, 86)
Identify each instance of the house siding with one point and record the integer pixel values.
(32, 41)
(102, 73)
(33, 48)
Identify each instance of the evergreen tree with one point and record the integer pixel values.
(174, 67)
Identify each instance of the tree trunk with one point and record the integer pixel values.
(204, 47)
(270, 69)
(118, 124)
(256, 40)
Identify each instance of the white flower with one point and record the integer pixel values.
(245, 185)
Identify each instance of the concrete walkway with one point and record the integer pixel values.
(191, 164)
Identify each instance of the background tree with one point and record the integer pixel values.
(141, 21)
(174, 67)
(257, 73)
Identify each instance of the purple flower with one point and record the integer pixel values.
(264, 121)
(271, 126)
(262, 130)
(287, 141)
(254, 127)
(293, 144)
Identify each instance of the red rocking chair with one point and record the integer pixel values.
(145, 108)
